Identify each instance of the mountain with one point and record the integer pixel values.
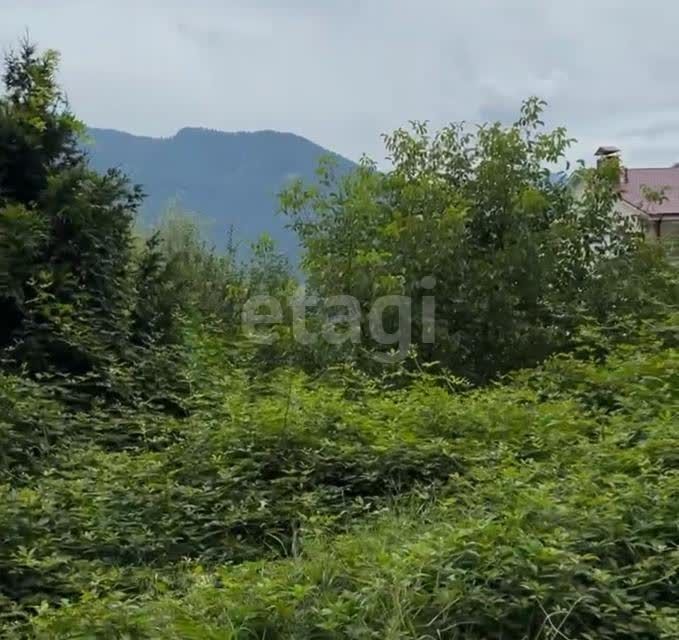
(225, 178)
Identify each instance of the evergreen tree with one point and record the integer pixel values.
(70, 293)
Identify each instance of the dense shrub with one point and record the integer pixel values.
(504, 512)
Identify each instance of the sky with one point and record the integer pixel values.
(342, 72)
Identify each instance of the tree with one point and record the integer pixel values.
(517, 261)
(69, 283)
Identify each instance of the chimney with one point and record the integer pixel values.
(605, 153)
(608, 153)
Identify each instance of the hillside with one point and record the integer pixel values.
(227, 178)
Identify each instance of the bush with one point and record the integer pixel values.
(354, 512)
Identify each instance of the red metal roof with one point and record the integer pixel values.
(634, 180)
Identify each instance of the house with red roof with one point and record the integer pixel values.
(649, 194)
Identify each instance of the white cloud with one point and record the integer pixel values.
(342, 72)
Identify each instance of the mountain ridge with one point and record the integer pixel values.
(227, 178)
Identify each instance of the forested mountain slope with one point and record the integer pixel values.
(226, 178)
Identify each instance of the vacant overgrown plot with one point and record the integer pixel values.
(162, 476)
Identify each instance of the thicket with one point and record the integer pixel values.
(297, 507)
(520, 264)
(162, 477)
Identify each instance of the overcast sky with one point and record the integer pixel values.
(341, 72)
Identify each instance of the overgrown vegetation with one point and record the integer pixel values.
(162, 477)
(519, 264)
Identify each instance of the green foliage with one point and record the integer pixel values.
(208, 283)
(73, 300)
(298, 507)
(519, 263)
(212, 285)
(163, 477)
(159, 292)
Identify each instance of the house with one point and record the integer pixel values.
(650, 195)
